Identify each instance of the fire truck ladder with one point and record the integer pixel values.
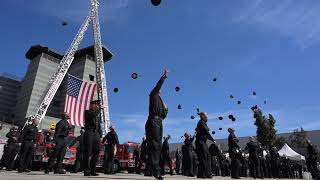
(66, 62)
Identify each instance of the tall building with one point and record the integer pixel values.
(9, 88)
(43, 63)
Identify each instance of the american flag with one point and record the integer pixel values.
(79, 95)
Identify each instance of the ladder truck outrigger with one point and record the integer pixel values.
(58, 76)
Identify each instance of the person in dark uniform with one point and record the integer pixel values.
(11, 149)
(268, 162)
(244, 166)
(202, 130)
(214, 151)
(112, 143)
(252, 148)
(262, 159)
(28, 140)
(78, 164)
(178, 161)
(189, 157)
(286, 167)
(233, 150)
(195, 162)
(275, 162)
(143, 157)
(312, 160)
(222, 164)
(59, 150)
(92, 138)
(136, 158)
(165, 156)
(154, 129)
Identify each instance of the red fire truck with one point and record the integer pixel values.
(123, 161)
(126, 156)
(44, 148)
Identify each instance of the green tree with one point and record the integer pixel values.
(279, 142)
(298, 138)
(262, 128)
(272, 131)
(266, 132)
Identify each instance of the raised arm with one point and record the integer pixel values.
(156, 89)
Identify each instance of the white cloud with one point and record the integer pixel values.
(298, 20)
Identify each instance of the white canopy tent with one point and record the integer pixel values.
(290, 153)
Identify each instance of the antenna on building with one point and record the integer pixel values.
(66, 62)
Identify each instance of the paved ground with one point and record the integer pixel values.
(40, 176)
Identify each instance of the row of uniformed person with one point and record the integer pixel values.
(24, 142)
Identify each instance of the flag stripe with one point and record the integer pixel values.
(81, 104)
(78, 105)
(92, 94)
(87, 100)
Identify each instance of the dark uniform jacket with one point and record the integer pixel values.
(214, 149)
(165, 148)
(252, 147)
(62, 130)
(202, 130)
(188, 144)
(92, 121)
(157, 107)
(274, 155)
(112, 139)
(13, 136)
(80, 147)
(233, 141)
(29, 134)
(144, 148)
(312, 152)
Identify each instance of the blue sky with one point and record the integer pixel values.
(267, 46)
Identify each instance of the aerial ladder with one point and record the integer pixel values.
(58, 76)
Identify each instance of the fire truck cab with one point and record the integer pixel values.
(126, 158)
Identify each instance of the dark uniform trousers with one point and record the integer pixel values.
(109, 159)
(264, 170)
(92, 147)
(4, 158)
(142, 159)
(204, 167)
(188, 164)
(275, 168)
(254, 166)
(235, 163)
(26, 154)
(165, 159)
(10, 152)
(78, 164)
(154, 130)
(178, 164)
(59, 151)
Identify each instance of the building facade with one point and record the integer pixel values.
(43, 63)
(9, 89)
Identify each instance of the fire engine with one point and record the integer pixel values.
(44, 148)
(126, 158)
(122, 161)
